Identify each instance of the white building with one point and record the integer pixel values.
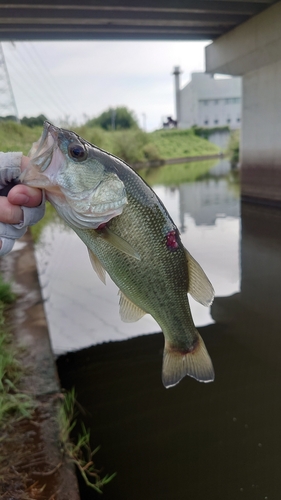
(208, 102)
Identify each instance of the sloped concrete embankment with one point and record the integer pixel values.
(30, 331)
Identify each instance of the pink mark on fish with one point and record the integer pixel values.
(171, 240)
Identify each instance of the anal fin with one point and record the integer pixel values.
(129, 312)
(195, 363)
(200, 288)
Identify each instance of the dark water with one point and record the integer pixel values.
(219, 441)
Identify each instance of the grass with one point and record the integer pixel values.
(79, 453)
(16, 137)
(12, 400)
(181, 143)
(133, 145)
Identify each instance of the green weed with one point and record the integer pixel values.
(79, 453)
(12, 400)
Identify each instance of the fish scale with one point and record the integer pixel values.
(134, 240)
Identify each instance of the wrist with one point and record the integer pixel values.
(24, 162)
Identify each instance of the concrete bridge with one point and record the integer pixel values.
(246, 41)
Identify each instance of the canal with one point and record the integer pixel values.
(194, 441)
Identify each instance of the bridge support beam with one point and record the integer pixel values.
(253, 51)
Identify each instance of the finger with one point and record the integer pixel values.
(25, 195)
(9, 214)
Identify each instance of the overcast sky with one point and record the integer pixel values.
(85, 78)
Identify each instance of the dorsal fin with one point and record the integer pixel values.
(97, 266)
(129, 312)
(200, 288)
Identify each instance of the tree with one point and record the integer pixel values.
(115, 118)
(33, 121)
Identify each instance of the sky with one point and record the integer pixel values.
(72, 81)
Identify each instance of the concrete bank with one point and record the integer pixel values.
(28, 323)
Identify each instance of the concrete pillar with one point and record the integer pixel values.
(253, 50)
(261, 134)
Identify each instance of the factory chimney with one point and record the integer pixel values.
(177, 72)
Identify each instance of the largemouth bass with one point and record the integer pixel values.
(129, 235)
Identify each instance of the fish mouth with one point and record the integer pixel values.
(41, 155)
(42, 151)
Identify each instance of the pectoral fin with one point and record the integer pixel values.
(200, 288)
(118, 242)
(97, 266)
(129, 312)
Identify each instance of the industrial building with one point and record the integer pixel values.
(207, 101)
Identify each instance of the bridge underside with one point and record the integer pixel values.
(124, 19)
(246, 41)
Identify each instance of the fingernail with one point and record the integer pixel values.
(22, 199)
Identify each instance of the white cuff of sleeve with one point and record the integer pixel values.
(7, 245)
(8, 159)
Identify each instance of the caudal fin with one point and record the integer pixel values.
(195, 363)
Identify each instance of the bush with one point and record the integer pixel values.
(129, 145)
(233, 147)
(115, 119)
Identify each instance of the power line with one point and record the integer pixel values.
(38, 80)
(34, 89)
(62, 94)
(6, 90)
(18, 75)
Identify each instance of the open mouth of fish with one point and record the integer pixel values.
(105, 200)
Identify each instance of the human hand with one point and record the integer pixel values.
(21, 206)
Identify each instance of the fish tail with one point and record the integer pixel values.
(195, 362)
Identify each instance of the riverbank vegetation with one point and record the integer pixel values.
(80, 452)
(133, 144)
(12, 401)
(233, 149)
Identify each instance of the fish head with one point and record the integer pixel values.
(84, 191)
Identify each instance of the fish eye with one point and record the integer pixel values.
(77, 152)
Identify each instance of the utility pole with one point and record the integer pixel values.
(7, 99)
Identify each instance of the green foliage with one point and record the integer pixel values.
(8, 118)
(95, 135)
(17, 137)
(6, 294)
(33, 121)
(79, 453)
(132, 145)
(233, 147)
(12, 401)
(114, 119)
(180, 143)
(206, 132)
(129, 145)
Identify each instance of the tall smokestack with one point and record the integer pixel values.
(177, 72)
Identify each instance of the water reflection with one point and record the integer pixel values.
(195, 441)
(81, 311)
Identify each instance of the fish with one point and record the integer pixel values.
(129, 235)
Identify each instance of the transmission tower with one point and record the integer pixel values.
(8, 105)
